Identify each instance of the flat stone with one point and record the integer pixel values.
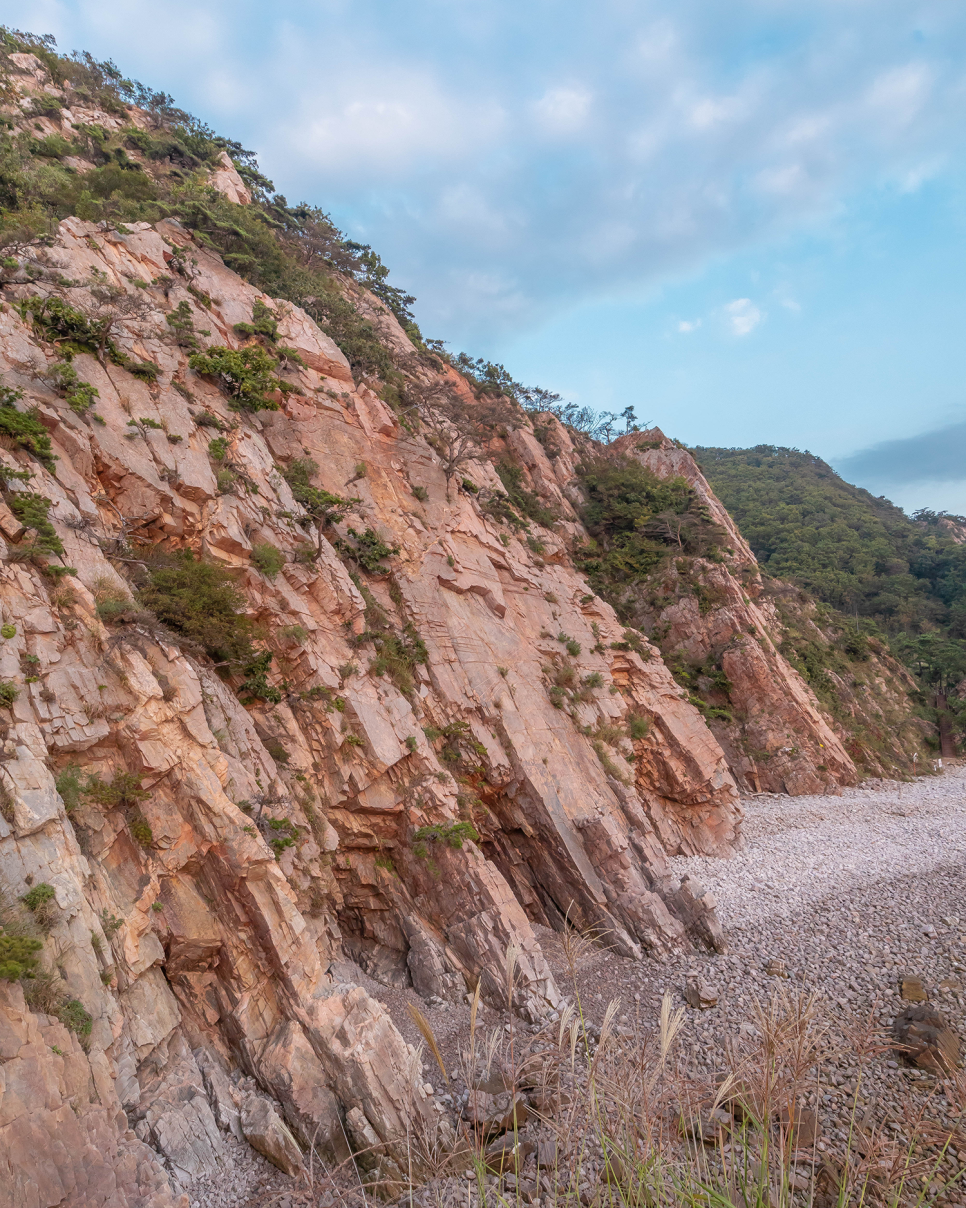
(912, 990)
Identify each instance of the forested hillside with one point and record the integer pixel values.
(903, 576)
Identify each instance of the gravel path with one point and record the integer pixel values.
(798, 850)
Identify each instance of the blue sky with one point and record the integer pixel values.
(746, 219)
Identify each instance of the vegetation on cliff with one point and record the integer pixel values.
(903, 578)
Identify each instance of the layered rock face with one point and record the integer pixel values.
(527, 764)
(199, 944)
(726, 628)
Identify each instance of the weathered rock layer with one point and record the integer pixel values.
(208, 957)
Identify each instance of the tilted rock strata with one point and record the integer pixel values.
(223, 951)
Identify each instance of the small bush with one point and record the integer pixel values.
(199, 600)
(367, 549)
(523, 500)
(8, 631)
(182, 324)
(322, 506)
(23, 428)
(123, 790)
(453, 835)
(218, 448)
(69, 786)
(8, 693)
(277, 751)
(39, 900)
(140, 829)
(245, 375)
(268, 559)
(264, 323)
(38, 896)
(255, 686)
(398, 655)
(32, 511)
(80, 396)
(225, 481)
(17, 957)
(74, 1017)
(638, 726)
(421, 494)
(110, 923)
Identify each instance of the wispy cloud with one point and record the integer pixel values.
(742, 316)
(555, 154)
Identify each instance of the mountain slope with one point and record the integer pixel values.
(847, 547)
(297, 667)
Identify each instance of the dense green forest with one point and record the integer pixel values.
(904, 577)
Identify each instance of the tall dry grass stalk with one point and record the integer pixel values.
(620, 1118)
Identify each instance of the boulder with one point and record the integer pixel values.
(923, 1037)
(265, 1131)
(492, 1114)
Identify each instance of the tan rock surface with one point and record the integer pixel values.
(212, 966)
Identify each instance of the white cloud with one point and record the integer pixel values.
(628, 145)
(742, 316)
(688, 325)
(563, 110)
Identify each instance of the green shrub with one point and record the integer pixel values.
(264, 323)
(245, 375)
(322, 507)
(38, 896)
(397, 655)
(638, 726)
(453, 835)
(8, 693)
(367, 549)
(40, 901)
(523, 500)
(182, 323)
(277, 751)
(69, 786)
(80, 396)
(255, 686)
(218, 448)
(74, 1017)
(110, 923)
(32, 511)
(225, 481)
(122, 790)
(199, 600)
(17, 957)
(140, 829)
(8, 631)
(268, 559)
(24, 428)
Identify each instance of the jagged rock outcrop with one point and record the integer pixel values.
(721, 616)
(219, 944)
(206, 948)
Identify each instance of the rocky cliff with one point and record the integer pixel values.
(441, 736)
